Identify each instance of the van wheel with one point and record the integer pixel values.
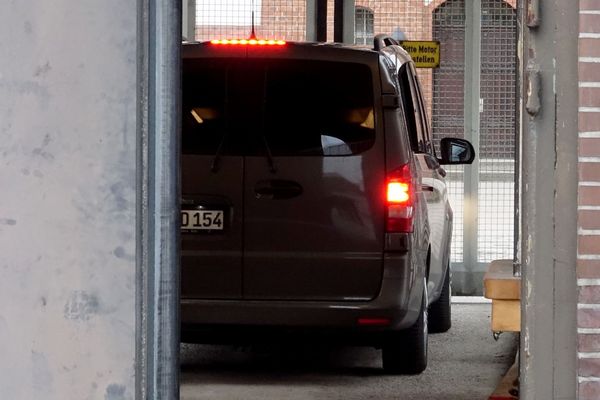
(405, 352)
(440, 312)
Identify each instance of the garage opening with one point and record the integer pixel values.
(469, 93)
(474, 94)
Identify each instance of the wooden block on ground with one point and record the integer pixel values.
(506, 315)
(500, 283)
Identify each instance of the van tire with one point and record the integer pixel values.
(440, 315)
(405, 352)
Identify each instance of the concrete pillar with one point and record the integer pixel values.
(549, 200)
(88, 204)
(68, 206)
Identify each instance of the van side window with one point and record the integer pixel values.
(418, 94)
(412, 110)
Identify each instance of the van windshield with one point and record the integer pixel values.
(295, 107)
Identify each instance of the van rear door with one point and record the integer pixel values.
(212, 169)
(313, 192)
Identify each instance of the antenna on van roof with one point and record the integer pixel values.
(252, 33)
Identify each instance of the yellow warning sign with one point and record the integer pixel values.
(424, 54)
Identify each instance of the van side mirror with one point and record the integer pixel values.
(456, 151)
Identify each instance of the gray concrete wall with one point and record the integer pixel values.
(67, 199)
(549, 201)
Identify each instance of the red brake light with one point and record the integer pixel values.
(398, 192)
(400, 201)
(246, 42)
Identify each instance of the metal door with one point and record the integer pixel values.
(212, 180)
(314, 215)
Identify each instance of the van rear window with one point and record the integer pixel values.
(287, 107)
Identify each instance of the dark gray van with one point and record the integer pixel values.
(312, 197)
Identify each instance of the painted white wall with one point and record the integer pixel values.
(67, 199)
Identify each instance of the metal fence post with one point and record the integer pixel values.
(472, 124)
(321, 20)
(157, 339)
(349, 15)
(189, 20)
(311, 20)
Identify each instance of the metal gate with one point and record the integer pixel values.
(235, 18)
(474, 94)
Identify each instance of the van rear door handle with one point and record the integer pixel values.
(277, 189)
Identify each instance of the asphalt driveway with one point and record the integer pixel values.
(464, 364)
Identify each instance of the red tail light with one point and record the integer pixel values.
(400, 201)
(370, 321)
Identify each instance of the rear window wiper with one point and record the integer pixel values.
(264, 117)
(214, 166)
(269, 154)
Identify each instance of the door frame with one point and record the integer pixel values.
(548, 190)
(548, 199)
(157, 249)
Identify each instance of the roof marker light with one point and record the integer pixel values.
(251, 42)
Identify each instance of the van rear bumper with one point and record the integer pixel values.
(399, 300)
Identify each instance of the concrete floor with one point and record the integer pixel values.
(464, 364)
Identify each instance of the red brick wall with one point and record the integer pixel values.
(588, 252)
(411, 16)
(279, 19)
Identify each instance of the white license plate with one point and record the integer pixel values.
(202, 220)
